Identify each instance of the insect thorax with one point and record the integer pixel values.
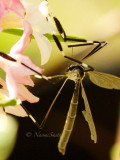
(75, 72)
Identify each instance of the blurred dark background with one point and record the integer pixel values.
(34, 144)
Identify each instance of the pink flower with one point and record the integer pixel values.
(15, 110)
(14, 5)
(38, 15)
(23, 93)
(17, 75)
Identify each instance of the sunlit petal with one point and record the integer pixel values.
(16, 110)
(14, 5)
(37, 15)
(24, 94)
(44, 46)
(11, 84)
(22, 44)
(43, 8)
(11, 20)
(19, 69)
(2, 10)
(26, 80)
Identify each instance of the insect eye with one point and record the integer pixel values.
(70, 68)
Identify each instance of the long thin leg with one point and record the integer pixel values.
(86, 42)
(72, 59)
(31, 117)
(66, 39)
(46, 116)
(68, 127)
(60, 28)
(98, 47)
(78, 45)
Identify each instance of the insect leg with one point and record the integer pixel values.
(31, 117)
(65, 38)
(60, 29)
(97, 48)
(72, 59)
(86, 42)
(46, 116)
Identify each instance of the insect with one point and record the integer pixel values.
(77, 73)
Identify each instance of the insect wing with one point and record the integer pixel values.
(88, 116)
(104, 80)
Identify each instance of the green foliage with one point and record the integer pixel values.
(5, 102)
(19, 32)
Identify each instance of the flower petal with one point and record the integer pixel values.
(2, 10)
(44, 8)
(16, 110)
(26, 80)
(22, 44)
(44, 46)
(16, 6)
(18, 69)
(4, 91)
(11, 84)
(33, 15)
(38, 16)
(42, 23)
(11, 20)
(25, 94)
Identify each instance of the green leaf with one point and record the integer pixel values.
(5, 102)
(19, 32)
